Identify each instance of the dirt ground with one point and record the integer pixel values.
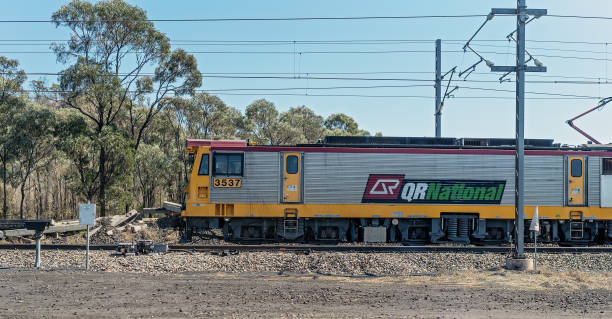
(26, 293)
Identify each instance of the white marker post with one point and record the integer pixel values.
(535, 228)
(87, 216)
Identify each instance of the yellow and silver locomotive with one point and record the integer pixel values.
(396, 190)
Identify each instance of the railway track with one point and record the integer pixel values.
(329, 248)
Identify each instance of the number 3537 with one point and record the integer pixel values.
(227, 182)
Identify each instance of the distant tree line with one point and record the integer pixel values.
(113, 129)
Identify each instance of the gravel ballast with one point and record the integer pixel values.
(333, 263)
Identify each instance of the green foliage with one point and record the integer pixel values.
(12, 103)
(111, 43)
(116, 136)
(11, 80)
(152, 171)
(266, 127)
(309, 124)
(120, 156)
(342, 124)
(34, 136)
(206, 116)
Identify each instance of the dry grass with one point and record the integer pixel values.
(529, 281)
(495, 279)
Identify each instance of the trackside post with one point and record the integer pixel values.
(87, 216)
(535, 228)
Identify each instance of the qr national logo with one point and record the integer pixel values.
(383, 186)
(391, 188)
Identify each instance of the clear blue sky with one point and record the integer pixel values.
(463, 116)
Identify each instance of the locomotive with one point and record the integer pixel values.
(397, 189)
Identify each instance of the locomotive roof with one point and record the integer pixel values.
(449, 143)
(432, 141)
(234, 143)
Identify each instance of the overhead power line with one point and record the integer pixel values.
(412, 17)
(341, 52)
(264, 19)
(317, 88)
(308, 75)
(364, 95)
(579, 17)
(257, 52)
(15, 43)
(530, 92)
(285, 76)
(397, 86)
(330, 41)
(534, 48)
(409, 96)
(321, 88)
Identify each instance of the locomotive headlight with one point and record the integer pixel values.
(394, 221)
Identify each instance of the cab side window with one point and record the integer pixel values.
(606, 166)
(292, 164)
(576, 168)
(228, 164)
(203, 170)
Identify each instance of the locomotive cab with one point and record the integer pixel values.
(203, 167)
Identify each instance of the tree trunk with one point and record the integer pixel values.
(102, 198)
(46, 207)
(4, 206)
(38, 189)
(22, 198)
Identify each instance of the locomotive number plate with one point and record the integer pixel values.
(227, 182)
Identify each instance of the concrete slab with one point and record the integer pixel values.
(521, 264)
(50, 230)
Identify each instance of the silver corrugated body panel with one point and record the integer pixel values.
(544, 181)
(342, 177)
(594, 176)
(260, 183)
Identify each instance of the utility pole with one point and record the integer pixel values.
(522, 15)
(438, 87)
(519, 166)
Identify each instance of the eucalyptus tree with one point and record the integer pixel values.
(111, 48)
(342, 124)
(34, 139)
(11, 101)
(306, 121)
(266, 127)
(75, 139)
(207, 116)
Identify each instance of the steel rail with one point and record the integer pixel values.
(329, 248)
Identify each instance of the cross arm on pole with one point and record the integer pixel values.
(503, 11)
(447, 93)
(510, 11)
(504, 68)
(449, 71)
